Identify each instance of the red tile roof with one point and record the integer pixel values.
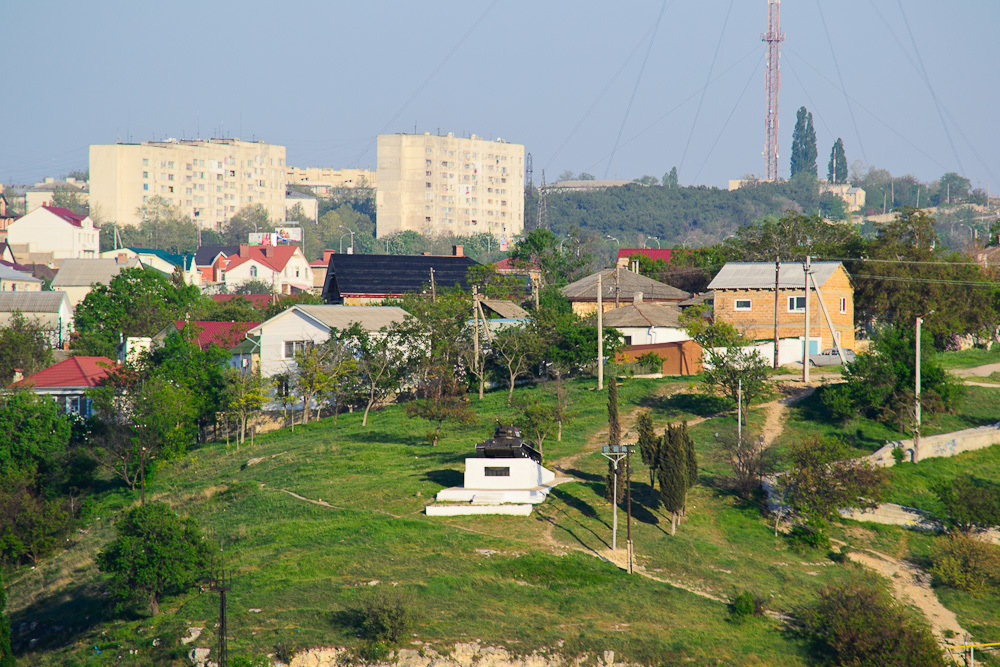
(506, 264)
(74, 372)
(262, 301)
(653, 253)
(275, 259)
(69, 216)
(224, 334)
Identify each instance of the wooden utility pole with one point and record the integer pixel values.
(805, 347)
(600, 335)
(475, 342)
(618, 289)
(221, 586)
(433, 288)
(777, 271)
(628, 504)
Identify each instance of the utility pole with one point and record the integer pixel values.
(433, 288)
(600, 334)
(221, 586)
(475, 342)
(916, 407)
(772, 38)
(777, 271)
(615, 454)
(806, 270)
(628, 504)
(543, 205)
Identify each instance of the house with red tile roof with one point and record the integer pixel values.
(259, 301)
(226, 335)
(284, 267)
(68, 381)
(56, 231)
(653, 253)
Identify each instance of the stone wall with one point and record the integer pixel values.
(945, 444)
(463, 655)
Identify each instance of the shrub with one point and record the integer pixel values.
(386, 614)
(746, 605)
(964, 562)
(801, 538)
(858, 623)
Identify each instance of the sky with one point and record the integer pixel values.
(615, 89)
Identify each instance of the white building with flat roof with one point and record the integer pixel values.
(434, 184)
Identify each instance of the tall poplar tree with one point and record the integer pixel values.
(614, 438)
(803, 145)
(836, 169)
(672, 474)
(6, 655)
(649, 448)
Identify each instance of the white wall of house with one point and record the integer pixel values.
(297, 272)
(650, 335)
(291, 326)
(44, 231)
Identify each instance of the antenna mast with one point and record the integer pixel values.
(543, 205)
(773, 39)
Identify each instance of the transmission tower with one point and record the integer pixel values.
(773, 38)
(222, 586)
(543, 205)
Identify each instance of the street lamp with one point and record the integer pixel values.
(916, 437)
(347, 231)
(563, 241)
(615, 240)
(653, 238)
(615, 454)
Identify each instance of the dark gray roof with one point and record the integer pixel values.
(390, 275)
(643, 315)
(760, 275)
(506, 309)
(207, 253)
(627, 284)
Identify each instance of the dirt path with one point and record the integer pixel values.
(976, 371)
(913, 585)
(776, 412)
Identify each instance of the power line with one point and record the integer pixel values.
(843, 88)
(930, 281)
(635, 88)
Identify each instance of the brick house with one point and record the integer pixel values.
(744, 297)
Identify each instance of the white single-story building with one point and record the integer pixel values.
(647, 323)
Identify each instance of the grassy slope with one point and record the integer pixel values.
(969, 358)
(305, 565)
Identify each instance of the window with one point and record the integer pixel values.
(253, 271)
(427, 185)
(628, 340)
(742, 304)
(843, 305)
(496, 471)
(796, 304)
(145, 174)
(145, 186)
(293, 347)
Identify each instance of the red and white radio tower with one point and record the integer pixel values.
(773, 39)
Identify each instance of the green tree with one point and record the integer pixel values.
(803, 145)
(162, 226)
(384, 361)
(649, 447)
(614, 440)
(33, 522)
(836, 170)
(970, 504)
(69, 197)
(951, 188)
(246, 392)
(25, 345)
(670, 178)
(858, 623)
(791, 237)
(35, 434)
(514, 349)
(155, 553)
(137, 302)
(536, 419)
(6, 654)
(248, 220)
(690, 456)
(734, 370)
(672, 472)
(311, 376)
(440, 397)
(824, 479)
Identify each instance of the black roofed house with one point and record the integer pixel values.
(359, 280)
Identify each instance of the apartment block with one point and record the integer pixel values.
(325, 180)
(209, 180)
(434, 184)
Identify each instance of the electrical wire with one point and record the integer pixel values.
(843, 88)
(635, 88)
(708, 78)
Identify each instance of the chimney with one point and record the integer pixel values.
(622, 262)
(244, 250)
(637, 298)
(122, 258)
(18, 375)
(458, 250)
(426, 254)
(268, 250)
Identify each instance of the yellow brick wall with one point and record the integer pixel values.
(758, 322)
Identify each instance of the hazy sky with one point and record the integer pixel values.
(919, 94)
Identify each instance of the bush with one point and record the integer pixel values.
(386, 614)
(801, 538)
(746, 605)
(858, 623)
(964, 562)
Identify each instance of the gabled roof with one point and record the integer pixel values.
(760, 275)
(69, 216)
(9, 273)
(206, 254)
(391, 275)
(82, 272)
(248, 345)
(262, 301)
(643, 315)
(32, 302)
(371, 318)
(272, 257)
(223, 334)
(627, 284)
(506, 309)
(74, 372)
(183, 261)
(652, 253)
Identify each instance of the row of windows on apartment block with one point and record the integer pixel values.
(466, 166)
(259, 182)
(467, 178)
(216, 164)
(796, 304)
(448, 211)
(468, 223)
(469, 155)
(198, 212)
(169, 189)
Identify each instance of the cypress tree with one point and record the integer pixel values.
(6, 655)
(836, 169)
(614, 438)
(803, 144)
(649, 447)
(691, 456)
(672, 473)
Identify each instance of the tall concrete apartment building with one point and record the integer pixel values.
(433, 184)
(324, 180)
(208, 179)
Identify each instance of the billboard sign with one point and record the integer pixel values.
(289, 234)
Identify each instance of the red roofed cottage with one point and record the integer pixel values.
(68, 381)
(59, 231)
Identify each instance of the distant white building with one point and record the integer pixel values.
(77, 277)
(59, 231)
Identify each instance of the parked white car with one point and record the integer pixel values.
(829, 357)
